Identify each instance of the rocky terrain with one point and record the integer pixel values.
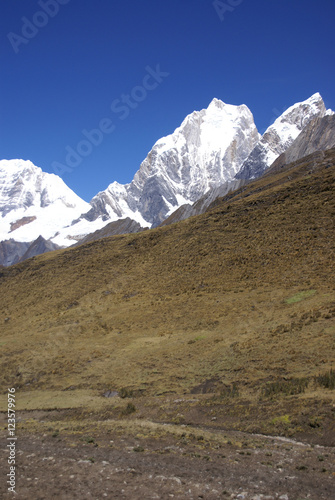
(117, 461)
(188, 361)
(281, 134)
(212, 152)
(319, 135)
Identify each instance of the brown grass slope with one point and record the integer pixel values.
(235, 306)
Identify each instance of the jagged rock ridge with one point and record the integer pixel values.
(12, 252)
(34, 203)
(280, 135)
(319, 135)
(211, 152)
(203, 153)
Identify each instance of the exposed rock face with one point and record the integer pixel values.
(211, 147)
(213, 152)
(203, 153)
(319, 135)
(121, 226)
(40, 245)
(200, 206)
(279, 136)
(34, 203)
(12, 252)
(21, 222)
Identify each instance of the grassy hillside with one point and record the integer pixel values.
(225, 319)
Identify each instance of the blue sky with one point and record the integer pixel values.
(134, 69)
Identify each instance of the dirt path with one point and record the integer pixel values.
(186, 466)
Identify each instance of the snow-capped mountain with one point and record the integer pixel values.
(34, 203)
(281, 134)
(205, 151)
(203, 156)
(318, 135)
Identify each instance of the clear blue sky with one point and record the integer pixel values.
(63, 76)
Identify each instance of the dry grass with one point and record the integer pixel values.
(243, 294)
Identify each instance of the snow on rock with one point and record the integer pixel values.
(210, 148)
(281, 134)
(34, 203)
(205, 151)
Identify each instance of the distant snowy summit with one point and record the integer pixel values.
(210, 148)
(281, 134)
(34, 203)
(205, 151)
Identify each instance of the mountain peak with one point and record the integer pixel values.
(217, 106)
(216, 103)
(315, 97)
(279, 136)
(312, 106)
(34, 202)
(18, 165)
(205, 151)
(211, 147)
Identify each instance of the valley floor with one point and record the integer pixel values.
(146, 366)
(61, 457)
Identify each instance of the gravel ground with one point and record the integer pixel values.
(68, 466)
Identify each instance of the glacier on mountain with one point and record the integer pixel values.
(34, 203)
(204, 152)
(211, 147)
(280, 135)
